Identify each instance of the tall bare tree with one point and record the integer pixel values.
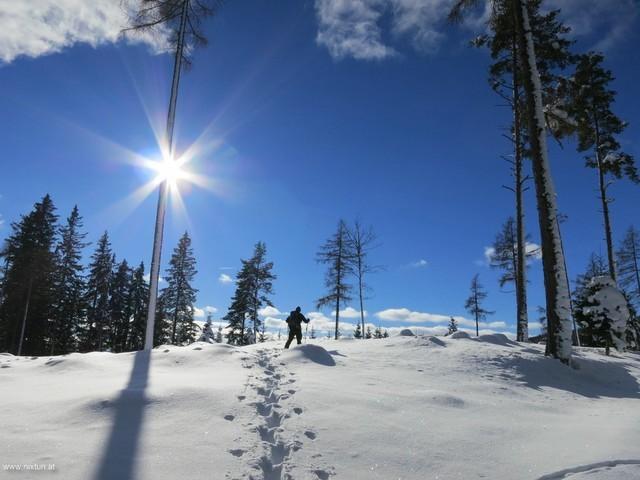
(363, 240)
(182, 19)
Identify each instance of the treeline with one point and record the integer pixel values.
(51, 304)
(555, 92)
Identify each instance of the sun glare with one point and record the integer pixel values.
(170, 170)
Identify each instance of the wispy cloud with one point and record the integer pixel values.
(370, 29)
(203, 312)
(419, 264)
(225, 279)
(404, 315)
(349, 312)
(43, 27)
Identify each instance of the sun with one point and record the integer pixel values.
(170, 171)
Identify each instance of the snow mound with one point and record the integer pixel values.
(459, 334)
(496, 339)
(609, 470)
(308, 352)
(406, 333)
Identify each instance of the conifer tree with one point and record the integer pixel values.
(385, 334)
(337, 254)
(312, 333)
(138, 296)
(475, 300)
(163, 324)
(260, 284)
(219, 335)
(597, 129)
(96, 331)
(120, 307)
(377, 333)
(69, 307)
(629, 265)
(28, 283)
(506, 257)
(207, 334)
(357, 332)
(453, 326)
(179, 295)
(368, 334)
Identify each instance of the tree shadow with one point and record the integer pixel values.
(119, 459)
(591, 378)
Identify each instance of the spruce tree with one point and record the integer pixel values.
(312, 333)
(138, 297)
(120, 307)
(377, 333)
(597, 128)
(357, 332)
(506, 257)
(385, 334)
(96, 331)
(453, 326)
(179, 295)
(628, 256)
(29, 281)
(367, 333)
(260, 284)
(69, 308)
(219, 335)
(475, 300)
(337, 254)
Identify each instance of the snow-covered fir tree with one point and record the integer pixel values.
(69, 307)
(119, 307)
(453, 326)
(207, 334)
(179, 295)
(312, 333)
(337, 254)
(219, 337)
(368, 334)
(96, 334)
(474, 303)
(28, 282)
(377, 333)
(357, 332)
(603, 314)
(138, 298)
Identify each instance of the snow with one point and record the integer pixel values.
(609, 303)
(419, 407)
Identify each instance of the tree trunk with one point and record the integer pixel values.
(522, 329)
(556, 286)
(164, 187)
(24, 316)
(635, 263)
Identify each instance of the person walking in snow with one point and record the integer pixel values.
(294, 320)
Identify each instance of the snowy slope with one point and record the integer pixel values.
(398, 408)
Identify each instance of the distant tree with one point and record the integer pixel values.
(138, 297)
(368, 333)
(362, 241)
(120, 307)
(603, 314)
(453, 326)
(162, 327)
(337, 254)
(357, 333)
(312, 333)
(207, 334)
(96, 331)
(542, 320)
(385, 334)
(597, 128)
(254, 284)
(629, 265)
(506, 257)
(179, 295)
(377, 333)
(69, 307)
(475, 300)
(262, 337)
(28, 281)
(219, 335)
(328, 333)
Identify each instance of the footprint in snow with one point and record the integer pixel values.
(229, 417)
(298, 410)
(311, 435)
(237, 452)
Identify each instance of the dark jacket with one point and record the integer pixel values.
(295, 320)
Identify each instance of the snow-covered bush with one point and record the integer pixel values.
(603, 314)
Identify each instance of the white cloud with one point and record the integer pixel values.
(42, 27)
(534, 250)
(224, 278)
(203, 312)
(269, 311)
(420, 263)
(404, 315)
(147, 277)
(358, 28)
(349, 312)
(349, 28)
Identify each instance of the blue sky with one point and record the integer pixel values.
(301, 112)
